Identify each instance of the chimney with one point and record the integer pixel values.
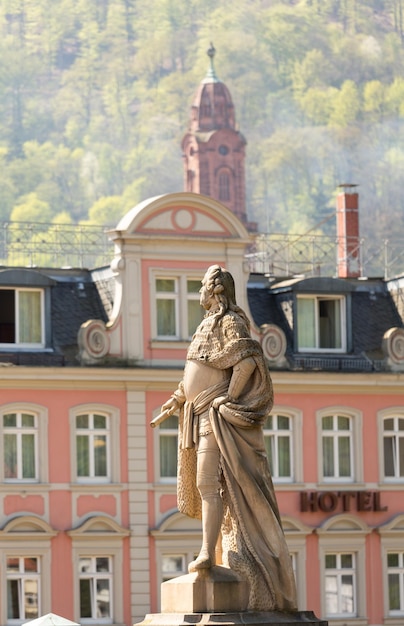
(349, 262)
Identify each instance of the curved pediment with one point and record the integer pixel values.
(344, 524)
(181, 215)
(99, 525)
(27, 526)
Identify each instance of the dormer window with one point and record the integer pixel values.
(321, 324)
(22, 317)
(177, 309)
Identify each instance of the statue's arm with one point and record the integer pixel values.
(175, 401)
(241, 374)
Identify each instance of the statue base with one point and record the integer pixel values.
(217, 596)
(217, 589)
(247, 618)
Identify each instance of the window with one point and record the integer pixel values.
(337, 447)
(392, 542)
(342, 551)
(278, 439)
(23, 588)
(321, 323)
(178, 311)
(224, 186)
(173, 565)
(395, 577)
(25, 567)
(20, 440)
(95, 443)
(92, 446)
(340, 585)
(393, 447)
(168, 436)
(21, 317)
(98, 547)
(95, 579)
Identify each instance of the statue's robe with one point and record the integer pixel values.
(253, 541)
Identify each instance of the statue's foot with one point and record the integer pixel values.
(204, 561)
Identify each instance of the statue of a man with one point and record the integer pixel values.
(223, 473)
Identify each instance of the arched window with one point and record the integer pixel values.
(393, 447)
(278, 437)
(340, 451)
(281, 431)
(97, 550)
(95, 444)
(224, 186)
(23, 445)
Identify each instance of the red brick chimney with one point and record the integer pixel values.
(349, 261)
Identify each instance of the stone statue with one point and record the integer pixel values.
(223, 472)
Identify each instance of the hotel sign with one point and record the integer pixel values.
(330, 501)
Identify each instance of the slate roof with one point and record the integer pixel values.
(372, 312)
(74, 300)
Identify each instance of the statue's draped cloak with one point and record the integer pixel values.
(253, 542)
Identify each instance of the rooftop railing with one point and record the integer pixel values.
(25, 244)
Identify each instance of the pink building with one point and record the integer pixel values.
(88, 517)
(89, 526)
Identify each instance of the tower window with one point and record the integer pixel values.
(224, 186)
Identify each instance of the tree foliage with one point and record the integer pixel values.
(95, 97)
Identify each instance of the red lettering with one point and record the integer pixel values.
(364, 500)
(376, 502)
(328, 501)
(346, 499)
(308, 501)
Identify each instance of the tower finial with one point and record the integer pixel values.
(211, 74)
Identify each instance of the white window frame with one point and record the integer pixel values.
(390, 413)
(17, 343)
(295, 422)
(33, 542)
(23, 577)
(317, 299)
(356, 450)
(41, 442)
(100, 536)
(113, 448)
(181, 298)
(176, 535)
(296, 534)
(350, 532)
(339, 572)
(391, 540)
(400, 572)
(159, 433)
(93, 576)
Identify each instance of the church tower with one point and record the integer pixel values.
(213, 149)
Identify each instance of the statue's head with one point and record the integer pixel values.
(219, 286)
(218, 294)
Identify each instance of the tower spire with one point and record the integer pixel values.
(213, 148)
(211, 76)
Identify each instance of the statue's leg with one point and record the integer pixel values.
(212, 506)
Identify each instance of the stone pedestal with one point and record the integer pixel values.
(247, 618)
(217, 597)
(218, 589)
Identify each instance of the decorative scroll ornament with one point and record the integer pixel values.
(393, 345)
(93, 340)
(273, 342)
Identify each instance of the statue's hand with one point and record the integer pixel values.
(220, 400)
(171, 405)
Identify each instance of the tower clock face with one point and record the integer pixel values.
(223, 150)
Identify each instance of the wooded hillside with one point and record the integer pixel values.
(95, 98)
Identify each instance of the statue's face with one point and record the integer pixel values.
(206, 299)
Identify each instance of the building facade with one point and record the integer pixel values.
(89, 526)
